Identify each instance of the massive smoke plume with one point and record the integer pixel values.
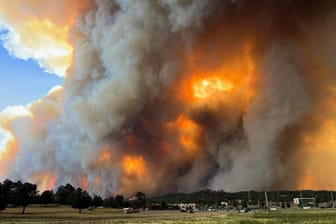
(175, 95)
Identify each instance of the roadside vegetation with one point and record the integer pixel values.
(65, 214)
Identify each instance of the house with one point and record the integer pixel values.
(305, 202)
(187, 207)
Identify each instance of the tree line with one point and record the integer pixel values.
(22, 194)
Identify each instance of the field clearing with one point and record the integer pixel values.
(107, 215)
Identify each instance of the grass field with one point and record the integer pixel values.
(69, 215)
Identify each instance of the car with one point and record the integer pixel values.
(242, 210)
(183, 210)
(131, 210)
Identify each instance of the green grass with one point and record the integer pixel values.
(36, 214)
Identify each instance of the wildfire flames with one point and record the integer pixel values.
(210, 86)
(163, 96)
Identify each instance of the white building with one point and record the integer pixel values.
(304, 202)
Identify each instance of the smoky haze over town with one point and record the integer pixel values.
(175, 96)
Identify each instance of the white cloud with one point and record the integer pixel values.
(47, 57)
(12, 112)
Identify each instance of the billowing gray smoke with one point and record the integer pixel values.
(176, 95)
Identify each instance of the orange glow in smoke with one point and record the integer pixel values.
(44, 180)
(222, 81)
(7, 151)
(188, 132)
(318, 155)
(209, 86)
(55, 43)
(134, 174)
(133, 166)
(307, 181)
(105, 156)
(84, 183)
(7, 155)
(98, 182)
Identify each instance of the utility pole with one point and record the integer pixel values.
(301, 201)
(266, 199)
(332, 197)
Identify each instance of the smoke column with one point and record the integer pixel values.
(164, 96)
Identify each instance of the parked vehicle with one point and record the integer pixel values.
(131, 210)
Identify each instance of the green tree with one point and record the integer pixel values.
(3, 197)
(140, 201)
(47, 197)
(5, 193)
(108, 202)
(24, 194)
(62, 194)
(7, 187)
(119, 201)
(97, 201)
(81, 200)
(70, 199)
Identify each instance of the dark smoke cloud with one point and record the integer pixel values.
(123, 101)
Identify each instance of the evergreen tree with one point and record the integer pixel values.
(23, 194)
(62, 194)
(109, 202)
(47, 197)
(119, 201)
(3, 197)
(81, 200)
(97, 201)
(140, 201)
